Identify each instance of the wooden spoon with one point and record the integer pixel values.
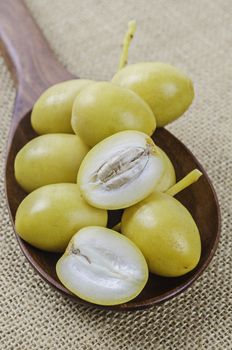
(34, 69)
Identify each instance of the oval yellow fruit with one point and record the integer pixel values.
(49, 159)
(49, 216)
(103, 109)
(167, 90)
(165, 232)
(52, 111)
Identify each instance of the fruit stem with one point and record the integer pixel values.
(188, 180)
(126, 43)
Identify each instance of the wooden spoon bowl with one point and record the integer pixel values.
(35, 68)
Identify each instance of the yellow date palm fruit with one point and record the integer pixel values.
(120, 170)
(49, 216)
(49, 159)
(52, 111)
(102, 267)
(103, 109)
(165, 232)
(167, 90)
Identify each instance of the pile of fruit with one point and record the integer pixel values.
(94, 154)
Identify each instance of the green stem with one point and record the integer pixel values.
(126, 43)
(188, 180)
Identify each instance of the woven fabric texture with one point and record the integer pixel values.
(195, 36)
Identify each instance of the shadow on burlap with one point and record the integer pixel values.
(86, 36)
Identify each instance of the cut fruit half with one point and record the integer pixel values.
(102, 266)
(120, 170)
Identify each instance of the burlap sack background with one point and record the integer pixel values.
(194, 35)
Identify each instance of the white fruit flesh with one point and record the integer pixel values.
(103, 267)
(121, 170)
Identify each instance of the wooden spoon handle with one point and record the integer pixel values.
(35, 67)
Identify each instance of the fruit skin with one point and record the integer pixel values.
(103, 109)
(48, 159)
(49, 216)
(165, 232)
(52, 111)
(169, 177)
(96, 194)
(166, 89)
(102, 266)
